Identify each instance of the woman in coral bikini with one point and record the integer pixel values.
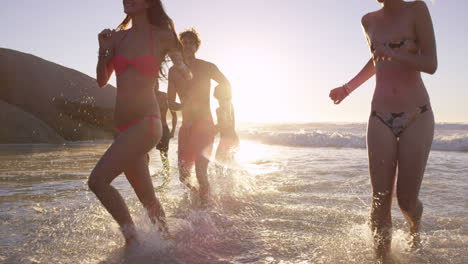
(401, 124)
(135, 55)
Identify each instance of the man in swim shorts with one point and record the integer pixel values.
(197, 133)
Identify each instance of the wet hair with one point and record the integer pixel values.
(157, 17)
(192, 34)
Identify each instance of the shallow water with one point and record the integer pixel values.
(280, 204)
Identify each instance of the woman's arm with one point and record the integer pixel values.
(340, 93)
(369, 69)
(172, 91)
(426, 59)
(178, 61)
(173, 47)
(365, 74)
(106, 51)
(103, 71)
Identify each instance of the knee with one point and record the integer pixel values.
(381, 198)
(202, 159)
(94, 184)
(407, 203)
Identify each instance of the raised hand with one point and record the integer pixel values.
(105, 42)
(338, 94)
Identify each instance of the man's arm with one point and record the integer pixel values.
(223, 89)
(222, 92)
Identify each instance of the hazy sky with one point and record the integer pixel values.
(282, 57)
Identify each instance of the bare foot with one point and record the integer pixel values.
(206, 203)
(205, 193)
(187, 184)
(382, 244)
(131, 242)
(162, 228)
(192, 188)
(130, 235)
(414, 228)
(415, 241)
(385, 260)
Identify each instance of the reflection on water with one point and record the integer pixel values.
(277, 204)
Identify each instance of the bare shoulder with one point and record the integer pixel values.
(419, 8)
(206, 63)
(368, 18)
(209, 66)
(365, 20)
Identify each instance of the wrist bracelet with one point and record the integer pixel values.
(347, 89)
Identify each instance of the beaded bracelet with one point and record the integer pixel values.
(347, 89)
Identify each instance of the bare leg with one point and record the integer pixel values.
(166, 171)
(201, 169)
(382, 151)
(139, 177)
(413, 151)
(129, 145)
(184, 175)
(185, 156)
(165, 162)
(220, 155)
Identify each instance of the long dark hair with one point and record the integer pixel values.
(157, 17)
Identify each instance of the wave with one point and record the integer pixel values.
(332, 139)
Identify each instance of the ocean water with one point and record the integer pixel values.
(298, 193)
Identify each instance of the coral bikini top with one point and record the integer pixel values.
(147, 65)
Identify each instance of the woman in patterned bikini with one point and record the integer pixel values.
(401, 125)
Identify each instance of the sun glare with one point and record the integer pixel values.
(257, 81)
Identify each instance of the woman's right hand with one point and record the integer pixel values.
(105, 39)
(338, 94)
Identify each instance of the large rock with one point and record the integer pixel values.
(18, 126)
(68, 101)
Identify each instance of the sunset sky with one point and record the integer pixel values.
(282, 57)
